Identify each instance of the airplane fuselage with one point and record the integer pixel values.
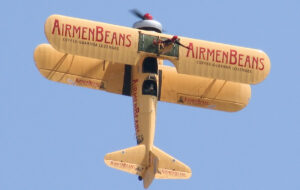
(144, 90)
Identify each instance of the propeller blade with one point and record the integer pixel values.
(137, 13)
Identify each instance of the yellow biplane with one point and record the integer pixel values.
(129, 61)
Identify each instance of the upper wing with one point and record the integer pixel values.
(210, 59)
(201, 91)
(92, 39)
(222, 61)
(127, 45)
(79, 71)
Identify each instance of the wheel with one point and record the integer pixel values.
(140, 178)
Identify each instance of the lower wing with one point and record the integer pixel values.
(79, 71)
(201, 91)
(116, 78)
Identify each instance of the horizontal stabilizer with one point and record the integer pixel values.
(169, 167)
(129, 160)
(161, 165)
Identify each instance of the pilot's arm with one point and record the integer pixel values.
(178, 43)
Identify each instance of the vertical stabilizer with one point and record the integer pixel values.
(151, 170)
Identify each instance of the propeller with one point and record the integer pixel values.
(138, 14)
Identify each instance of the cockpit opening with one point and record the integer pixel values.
(150, 65)
(149, 87)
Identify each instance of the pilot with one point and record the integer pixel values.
(166, 45)
(149, 88)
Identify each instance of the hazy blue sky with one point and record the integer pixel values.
(54, 136)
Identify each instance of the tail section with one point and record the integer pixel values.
(148, 165)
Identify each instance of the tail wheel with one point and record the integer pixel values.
(140, 178)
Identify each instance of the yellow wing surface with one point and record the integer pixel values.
(126, 45)
(116, 78)
(222, 61)
(92, 39)
(79, 71)
(202, 92)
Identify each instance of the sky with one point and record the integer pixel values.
(54, 136)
